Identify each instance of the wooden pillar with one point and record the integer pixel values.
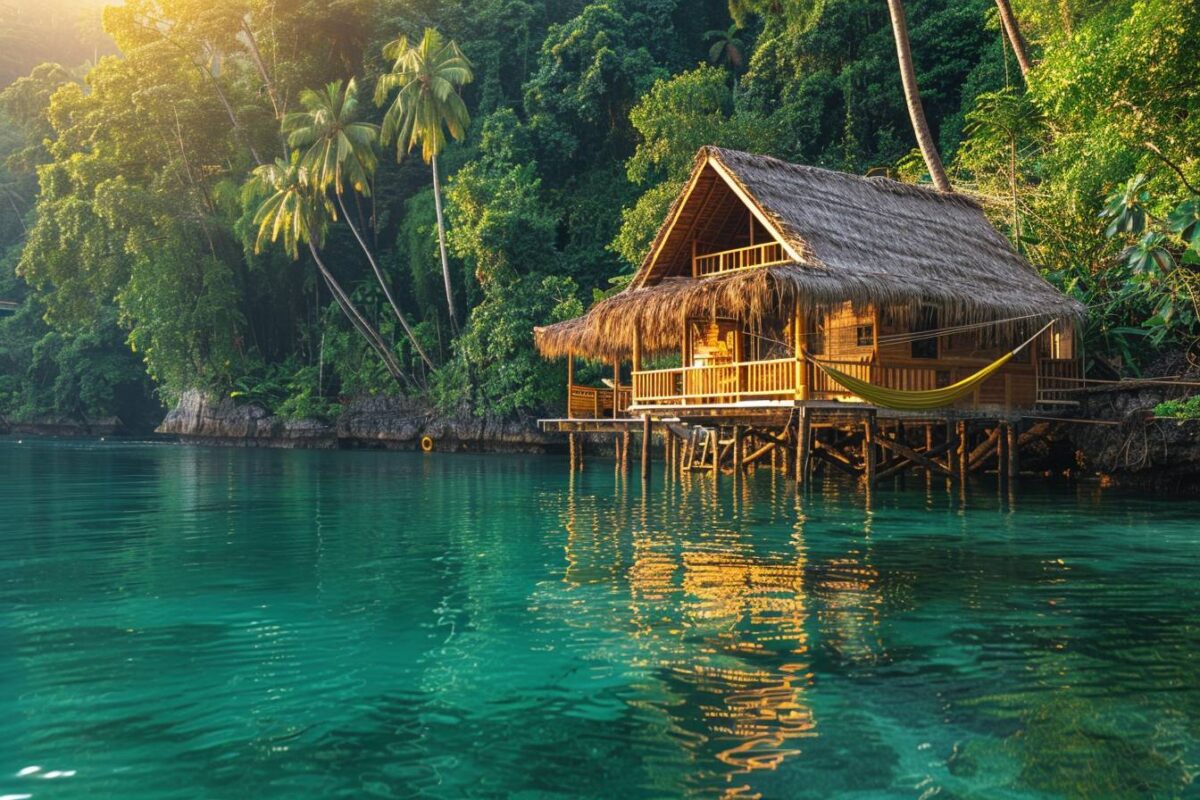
(1014, 450)
(1002, 451)
(570, 384)
(645, 446)
(625, 451)
(964, 450)
(952, 452)
(803, 448)
(573, 454)
(868, 447)
(737, 450)
(798, 338)
(616, 387)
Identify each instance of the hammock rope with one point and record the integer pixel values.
(926, 399)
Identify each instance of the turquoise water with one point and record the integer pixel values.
(209, 623)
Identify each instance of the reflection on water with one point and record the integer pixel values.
(182, 622)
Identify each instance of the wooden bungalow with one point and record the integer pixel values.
(763, 268)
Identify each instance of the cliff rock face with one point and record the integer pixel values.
(196, 417)
(1139, 452)
(385, 422)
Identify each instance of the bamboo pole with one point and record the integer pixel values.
(868, 449)
(645, 446)
(737, 449)
(803, 448)
(962, 450)
(1014, 450)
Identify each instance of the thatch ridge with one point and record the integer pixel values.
(870, 241)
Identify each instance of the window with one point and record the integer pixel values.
(816, 339)
(865, 335)
(927, 320)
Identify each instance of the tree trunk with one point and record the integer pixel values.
(387, 292)
(916, 113)
(1015, 39)
(359, 322)
(441, 227)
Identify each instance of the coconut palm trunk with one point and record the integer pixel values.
(356, 318)
(1015, 40)
(383, 284)
(912, 97)
(441, 228)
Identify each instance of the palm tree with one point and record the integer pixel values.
(428, 76)
(294, 211)
(726, 47)
(1012, 30)
(933, 161)
(338, 149)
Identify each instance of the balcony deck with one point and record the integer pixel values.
(763, 387)
(705, 265)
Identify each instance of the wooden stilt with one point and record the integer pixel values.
(952, 450)
(963, 449)
(804, 446)
(625, 451)
(1014, 450)
(645, 446)
(868, 450)
(572, 446)
(1002, 451)
(737, 450)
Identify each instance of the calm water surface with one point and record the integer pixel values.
(207, 623)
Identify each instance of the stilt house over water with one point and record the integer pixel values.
(762, 268)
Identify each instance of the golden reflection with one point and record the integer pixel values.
(721, 619)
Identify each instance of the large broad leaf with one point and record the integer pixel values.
(1185, 221)
(1149, 257)
(1126, 208)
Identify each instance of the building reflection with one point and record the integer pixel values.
(723, 619)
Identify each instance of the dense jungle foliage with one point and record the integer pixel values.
(155, 237)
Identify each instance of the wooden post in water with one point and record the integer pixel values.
(645, 446)
(952, 451)
(1002, 451)
(868, 449)
(803, 447)
(964, 450)
(1014, 450)
(737, 450)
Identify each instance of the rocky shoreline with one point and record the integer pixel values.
(376, 422)
(1112, 436)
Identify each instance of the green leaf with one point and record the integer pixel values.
(1184, 221)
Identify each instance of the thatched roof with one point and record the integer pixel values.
(871, 241)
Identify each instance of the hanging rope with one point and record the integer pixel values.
(904, 338)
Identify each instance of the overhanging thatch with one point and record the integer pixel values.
(870, 241)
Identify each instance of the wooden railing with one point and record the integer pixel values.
(823, 387)
(778, 379)
(758, 255)
(594, 402)
(721, 383)
(1055, 376)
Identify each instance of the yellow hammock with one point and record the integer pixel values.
(925, 399)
